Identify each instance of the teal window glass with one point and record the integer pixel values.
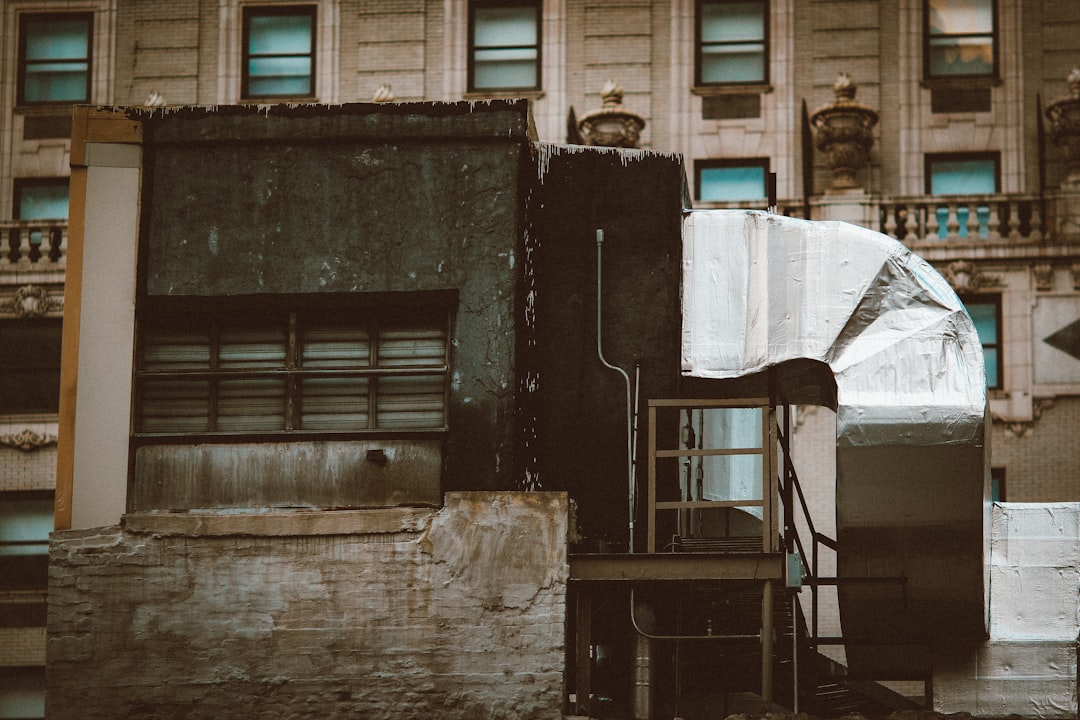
(505, 47)
(732, 43)
(986, 315)
(963, 176)
(26, 519)
(279, 53)
(54, 58)
(997, 484)
(41, 200)
(22, 692)
(731, 182)
(960, 37)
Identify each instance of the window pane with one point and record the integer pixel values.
(411, 402)
(733, 63)
(961, 16)
(22, 692)
(25, 524)
(43, 202)
(963, 177)
(334, 403)
(174, 406)
(279, 76)
(251, 405)
(252, 349)
(732, 22)
(280, 35)
(723, 184)
(48, 39)
(30, 366)
(984, 316)
(990, 360)
(961, 56)
(504, 26)
(335, 347)
(56, 63)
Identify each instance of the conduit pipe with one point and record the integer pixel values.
(626, 378)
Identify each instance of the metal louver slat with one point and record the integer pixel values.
(413, 346)
(334, 403)
(335, 347)
(253, 349)
(251, 404)
(411, 402)
(175, 406)
(174, 351)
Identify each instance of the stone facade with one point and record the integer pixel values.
(454, 613)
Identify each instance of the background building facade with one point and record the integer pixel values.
(951, 131)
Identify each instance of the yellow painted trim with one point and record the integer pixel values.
(88, 125)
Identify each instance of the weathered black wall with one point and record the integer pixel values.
(579, 405)
(356, 199)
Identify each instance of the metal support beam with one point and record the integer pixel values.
(767, 648)
(583, 652)
(678, 566)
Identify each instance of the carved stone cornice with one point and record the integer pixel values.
(27, 440)
(31, 301)
(1023, 428)
(1044, 276)
(965, 277)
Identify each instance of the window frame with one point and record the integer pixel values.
(26, 571)
(995, 43)
(931, 158)
(34, 365)
(471, 86)
(21, 183)
(252, 11)
(699, 47)
(24, 20)
(708, 164)
(998, 481)
(993, 299)
(304, 309)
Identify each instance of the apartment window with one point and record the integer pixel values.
(22, 692)
(54, 58)
(300, 369)
(985, 312)
(504, 45)
(26, 519)
(732, 180)
(41, 198)
(960, 39)
(962, 175)
(29, 366)
(279, 52)
(732, 42)
(997, 484)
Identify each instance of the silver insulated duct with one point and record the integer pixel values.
(760, 290)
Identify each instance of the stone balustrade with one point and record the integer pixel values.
(33, 244)
(969, 219)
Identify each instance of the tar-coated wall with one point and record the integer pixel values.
(355, 199)
(579, 406)
(456, 613)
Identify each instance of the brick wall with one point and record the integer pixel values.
(22, 646)
(34, 470)
(1041, 460)
(458, 613)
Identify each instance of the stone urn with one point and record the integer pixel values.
(612, 125)
(844, 131)
(1064, 117)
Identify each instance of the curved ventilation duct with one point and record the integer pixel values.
(911, 437)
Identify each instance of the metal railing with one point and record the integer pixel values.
(33, 244)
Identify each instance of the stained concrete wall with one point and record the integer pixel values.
(455, 613)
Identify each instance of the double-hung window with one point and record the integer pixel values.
(732, 180)
(279, 52)
(732, 42)
(302, 368)
(54, 58)
(26, 519)
(960, 39)
(985, 312)
(504, 45)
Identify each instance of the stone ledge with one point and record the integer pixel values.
(281, 522)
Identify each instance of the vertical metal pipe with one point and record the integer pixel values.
(794, 654)
(767, 647)
(626, 378)
(642, 701)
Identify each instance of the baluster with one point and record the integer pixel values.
(1014, 221)
(56, 241)
(914, 224)
(932, 227)
(14, 241)
(1036, 223)
(993, 224)
(33, 241)
(973, 222)
(952, 224)
(891, 212)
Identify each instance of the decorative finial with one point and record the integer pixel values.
(384, 94)
(844, 87)
(155, 99)
(611, 125)
(611, 93)
(1073, 79)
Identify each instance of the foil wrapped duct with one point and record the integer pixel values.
(763, 293)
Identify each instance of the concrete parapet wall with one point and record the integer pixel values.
(453, 613)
